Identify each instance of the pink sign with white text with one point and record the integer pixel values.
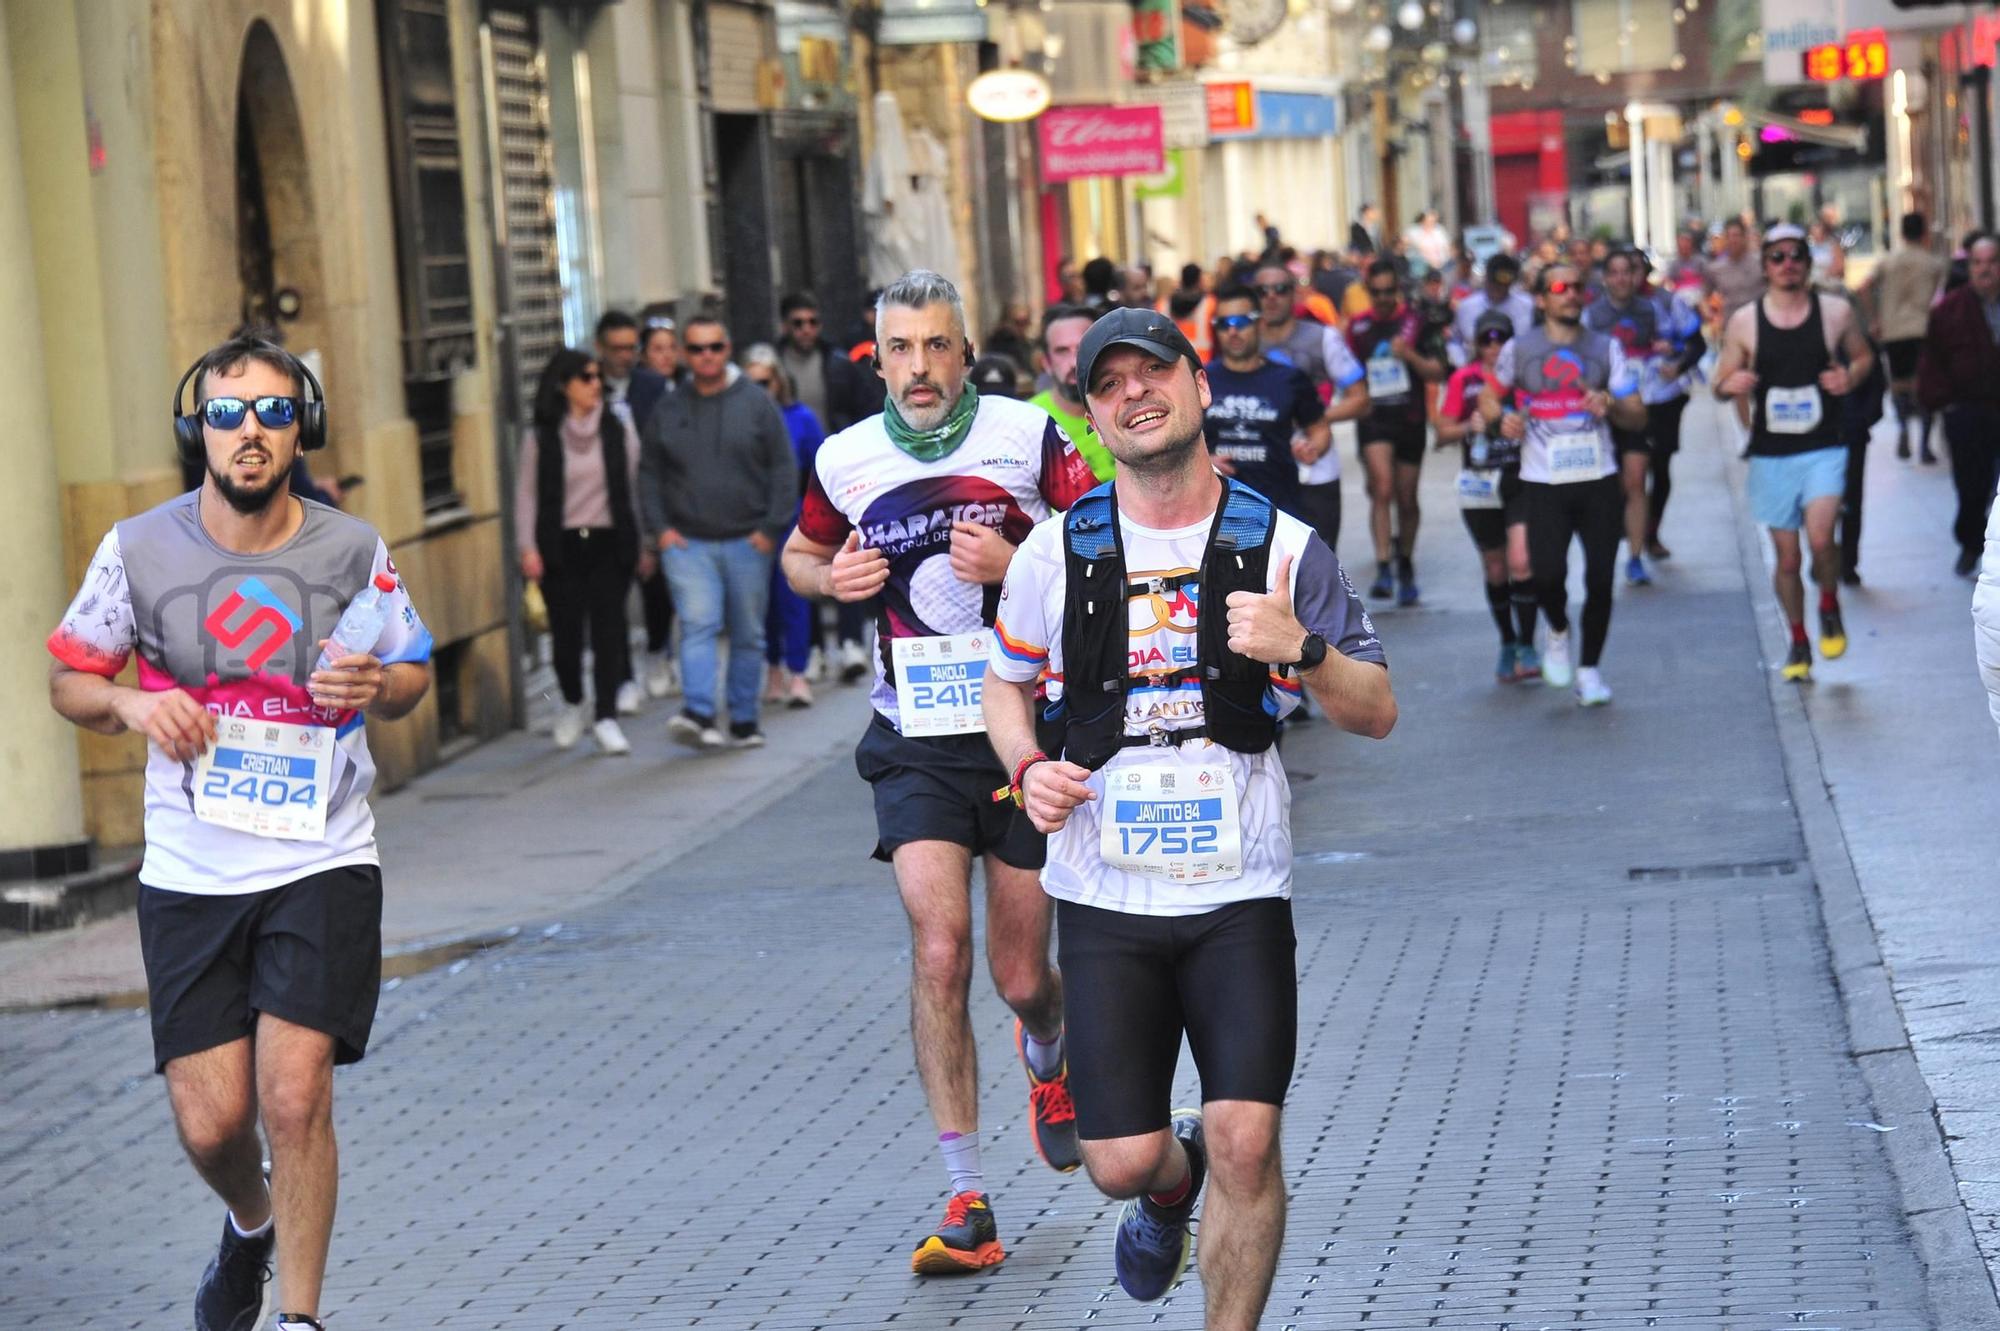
(1101, 141)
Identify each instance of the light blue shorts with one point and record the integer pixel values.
(1780, 488)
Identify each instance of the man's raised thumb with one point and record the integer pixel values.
(1283, 587)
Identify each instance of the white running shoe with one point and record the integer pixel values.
(800, 693)
(853, 662)
(1591, 690)
(569, 725)
(816, 667)
(690, 731)
(663, 678)
(628, 698)
(611, 740)
(1557, 672)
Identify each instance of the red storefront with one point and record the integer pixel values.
(1529, 166)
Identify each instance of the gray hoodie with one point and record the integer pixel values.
(716, 468)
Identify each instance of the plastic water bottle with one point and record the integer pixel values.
(361, 624)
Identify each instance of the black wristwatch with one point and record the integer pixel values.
(1311, 653)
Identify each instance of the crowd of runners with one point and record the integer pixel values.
(1094, 610)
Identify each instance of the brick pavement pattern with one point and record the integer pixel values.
(1571, 1055)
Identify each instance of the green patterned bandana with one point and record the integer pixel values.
(938, 441)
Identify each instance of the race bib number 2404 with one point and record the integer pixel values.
(267, 778)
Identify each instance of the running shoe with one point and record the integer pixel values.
(1591, 690)
(1384, 585)
(1968, 563)
(231, 1294)
(1925, 456)
(611, 739)
(1556, 670)
(1636, 574)
(298, 1322)
(1527, 662)
(1406, 589)
(1051, 1114)
(745, 735)
(1654, 550)
(628, 698)
(968, 1240)
(1798, 665)
(1832, 634)
(800, 694)
(1503, 670)
(1153, 1240)
(663, 677)
(1903, 447)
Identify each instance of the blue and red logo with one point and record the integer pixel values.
(270, 621)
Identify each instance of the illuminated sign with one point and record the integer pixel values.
(1864, 55)
(1006, 95)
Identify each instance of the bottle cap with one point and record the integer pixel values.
(384, 582)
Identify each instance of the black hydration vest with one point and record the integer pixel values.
(1087, 725)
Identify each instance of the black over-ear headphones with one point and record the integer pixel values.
(312, 412)
(875, 357)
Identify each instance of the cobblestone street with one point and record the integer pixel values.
(1571, 1052)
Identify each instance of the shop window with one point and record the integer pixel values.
(1622, 36)
(1507, 49)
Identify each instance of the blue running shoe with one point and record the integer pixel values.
(1527, 662)
(1504, 671)
(1636, 574)
(1154, 1241)
(1384, 585)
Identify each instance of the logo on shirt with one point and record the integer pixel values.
(270, 621)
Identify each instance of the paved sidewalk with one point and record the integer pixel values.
(1912, 763)
(513, 833)
(1571, 1052)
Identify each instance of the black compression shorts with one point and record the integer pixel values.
(309, 952)
(1406, 437)
(940, 788)
(1133, 983)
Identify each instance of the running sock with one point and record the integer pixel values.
(256, 1233)
(1499, 601)
(1175, 1196)
(1828, 600)
(961, 1158)
(1798, 633)
(1044, 1060)
(1522, 593)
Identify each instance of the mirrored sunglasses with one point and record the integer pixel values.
(273, 413)
(1231, 322)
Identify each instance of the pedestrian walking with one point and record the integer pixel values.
(838, 392)
(1793, 353)
(788, 626)
(1166, 806)
(658, 373)
(1905, 285)
(260, 899)
(718, 486)
(1569, 386)
(921, 507)
(1734, 273)
(1958, 375)
(576, 530)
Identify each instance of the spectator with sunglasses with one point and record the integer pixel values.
(576, 525)
(827, 382)
(1792, 354)
(719, 489)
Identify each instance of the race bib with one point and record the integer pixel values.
(1792, 410)
(939, 683)
(1575, 455)
(1176, 823)
(1388, 378)
(266, 778)
(1479, 488)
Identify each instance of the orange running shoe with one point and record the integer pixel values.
(1051, 1113)
(968, 1240)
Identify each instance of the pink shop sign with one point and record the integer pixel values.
(1101, 141)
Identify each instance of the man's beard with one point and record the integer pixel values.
(928, 418)
(1566, 320)
(1068, 389)
(248, 500)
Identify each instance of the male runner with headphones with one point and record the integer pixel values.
(260, 905)
(923, 505)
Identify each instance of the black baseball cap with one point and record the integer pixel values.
(1133, 326)
(1493, 321)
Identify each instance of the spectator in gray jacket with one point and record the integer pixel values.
(717, 488)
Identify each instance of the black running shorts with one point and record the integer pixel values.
(1406, 437)
(1631, 441)
(1133, 983)
(1902, 354)
(309, 952)
(1489, 525)
(940, 788)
